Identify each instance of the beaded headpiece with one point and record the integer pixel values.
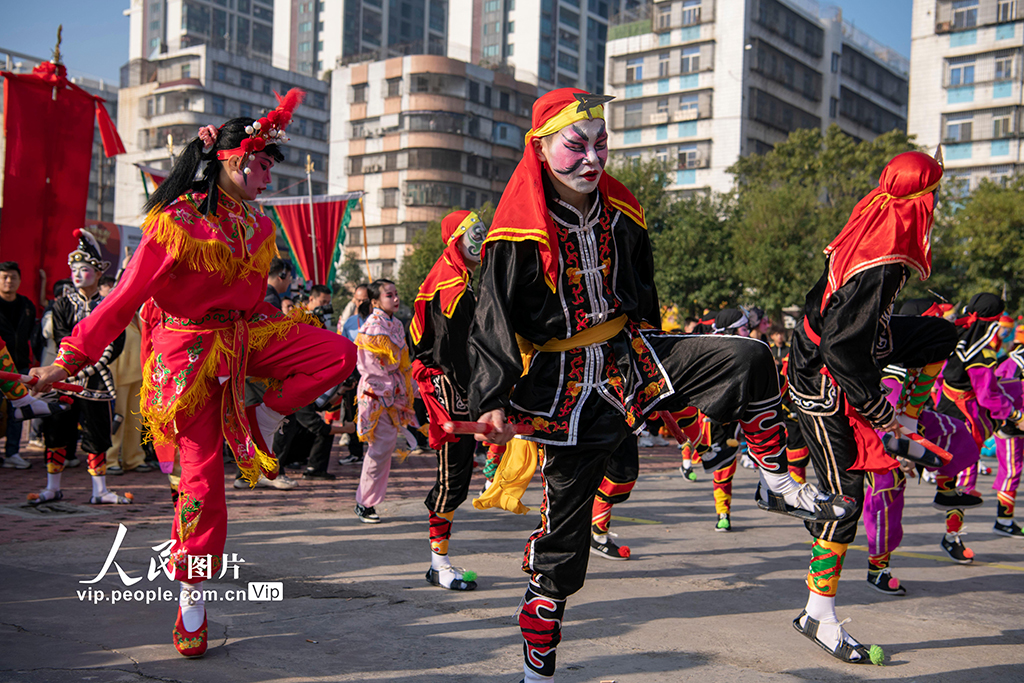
(88, 252)
(267, 130)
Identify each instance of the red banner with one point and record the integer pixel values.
(48, 123)
(331, 215)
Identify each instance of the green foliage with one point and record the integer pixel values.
(647, 181)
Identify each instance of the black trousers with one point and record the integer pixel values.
(306, 439)
(916, 342)
(61, 430)
(621, 473)
(728, 378)
(454, 460)
(349, 409)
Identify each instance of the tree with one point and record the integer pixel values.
(647, 181)
(693, 264)
(347, 276)
(426, 249)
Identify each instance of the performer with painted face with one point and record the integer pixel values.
(444, 309)
(567, 275)
(847, 335)
(203, 260)
(92, 409)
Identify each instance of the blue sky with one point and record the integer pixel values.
(96, 33)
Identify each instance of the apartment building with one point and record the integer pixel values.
(242, 27)
(549, 43)
(965, 84)
(419, 135)
(315, 36)
(166, 100)
(100, 204)
(700, 83)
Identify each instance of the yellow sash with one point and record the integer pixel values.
(592, 335)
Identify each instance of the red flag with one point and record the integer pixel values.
(331, 214)
(48, 123)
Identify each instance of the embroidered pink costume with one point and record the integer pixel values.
(384, 399)
(207, 278)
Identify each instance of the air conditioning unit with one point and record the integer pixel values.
(409, 201)
(372, 168)
(685, 115)
(660, 117)
(942, 27)
(695, 161)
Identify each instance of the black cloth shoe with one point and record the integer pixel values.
(314, 474)
(433, 578)
(608, 549)
(956, 501)
(367, 515)
(1009, 430)
(884, 582)
(957, 550)
(1012, 529)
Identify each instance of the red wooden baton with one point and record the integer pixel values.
(31, 381)
(673, 426)
(480, 428)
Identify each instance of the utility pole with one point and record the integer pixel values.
(312, 219)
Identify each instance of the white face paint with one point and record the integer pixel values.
(472, 241)
(84, 275)
(577, 154)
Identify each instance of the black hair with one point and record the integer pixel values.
(373, 294)
(280, 267)
(106, 280)
(320, 289)
(8, 266)
(362, 285)
(182, 177)
(59, 285)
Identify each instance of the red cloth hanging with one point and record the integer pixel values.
(294, 218)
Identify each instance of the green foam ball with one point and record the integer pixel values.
(471, 576)
(877, 655)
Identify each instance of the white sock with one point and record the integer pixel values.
(99, 484)
(438, 561)
(794, 493)
(193, 607)
(601, 538)
(823, 608)
(531, 676)
(53, 481)
(268, 421)
(446, 573)
(1006, 521)
(687, 463)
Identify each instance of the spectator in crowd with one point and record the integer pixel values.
(352, 307)
(279, 281)
(106, 284)
(319, 304)
(349, 327)
(17, 320)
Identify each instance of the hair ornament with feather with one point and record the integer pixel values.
(269, 129)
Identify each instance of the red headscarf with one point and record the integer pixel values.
(522, 213)
(449, 277)
(893, 224)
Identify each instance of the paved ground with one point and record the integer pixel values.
(691, 605)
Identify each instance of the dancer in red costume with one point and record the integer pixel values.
(203, 260)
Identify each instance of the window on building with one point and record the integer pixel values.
(663, 65)
(833, 107)
(488, 100)
(220, 72)
(961, 73)
(154, 25)
(318, 100)
(511, 50)
(474, 91)
(1001, 126)
(569, 18)
(661, 154)
(665, 15)
(359, 93)
(1004, 68)
(504, 101)
(568, 62)
(634, 114)
(965, 13)
(394, 87)
(958, 127)
(689, 157)
(691, 12)
(154, 44)
(305, 46)
(245, 80)
(267, 86)
(243, 6)
(186, 70)
(1006, 10)
(836, 60)
(264, 13)
(389, 198)
(262, 38)
(690, 62)
(569, 40)
(317, 132)
(492, 6)
(663, 105)
(245, 110)
(689, 102)
(511, 27)
(218, 104)
(634, 69)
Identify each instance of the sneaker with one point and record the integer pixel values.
(928, 477)
(367, 515)
(282, 482)
(315, 474)
(956, 501)
(349, 460)
(986, 470)
(645, 442)
(72, 462)
(659, 440)
(723, 522)
(688, 473)
(604, 546)
(241, 483)
(37, 443)
(1009, 430)
(747, 462)
(956, 549)
(16, 462)
(884, 582)
(1012, 529)
(115, 470)
(144, 467)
